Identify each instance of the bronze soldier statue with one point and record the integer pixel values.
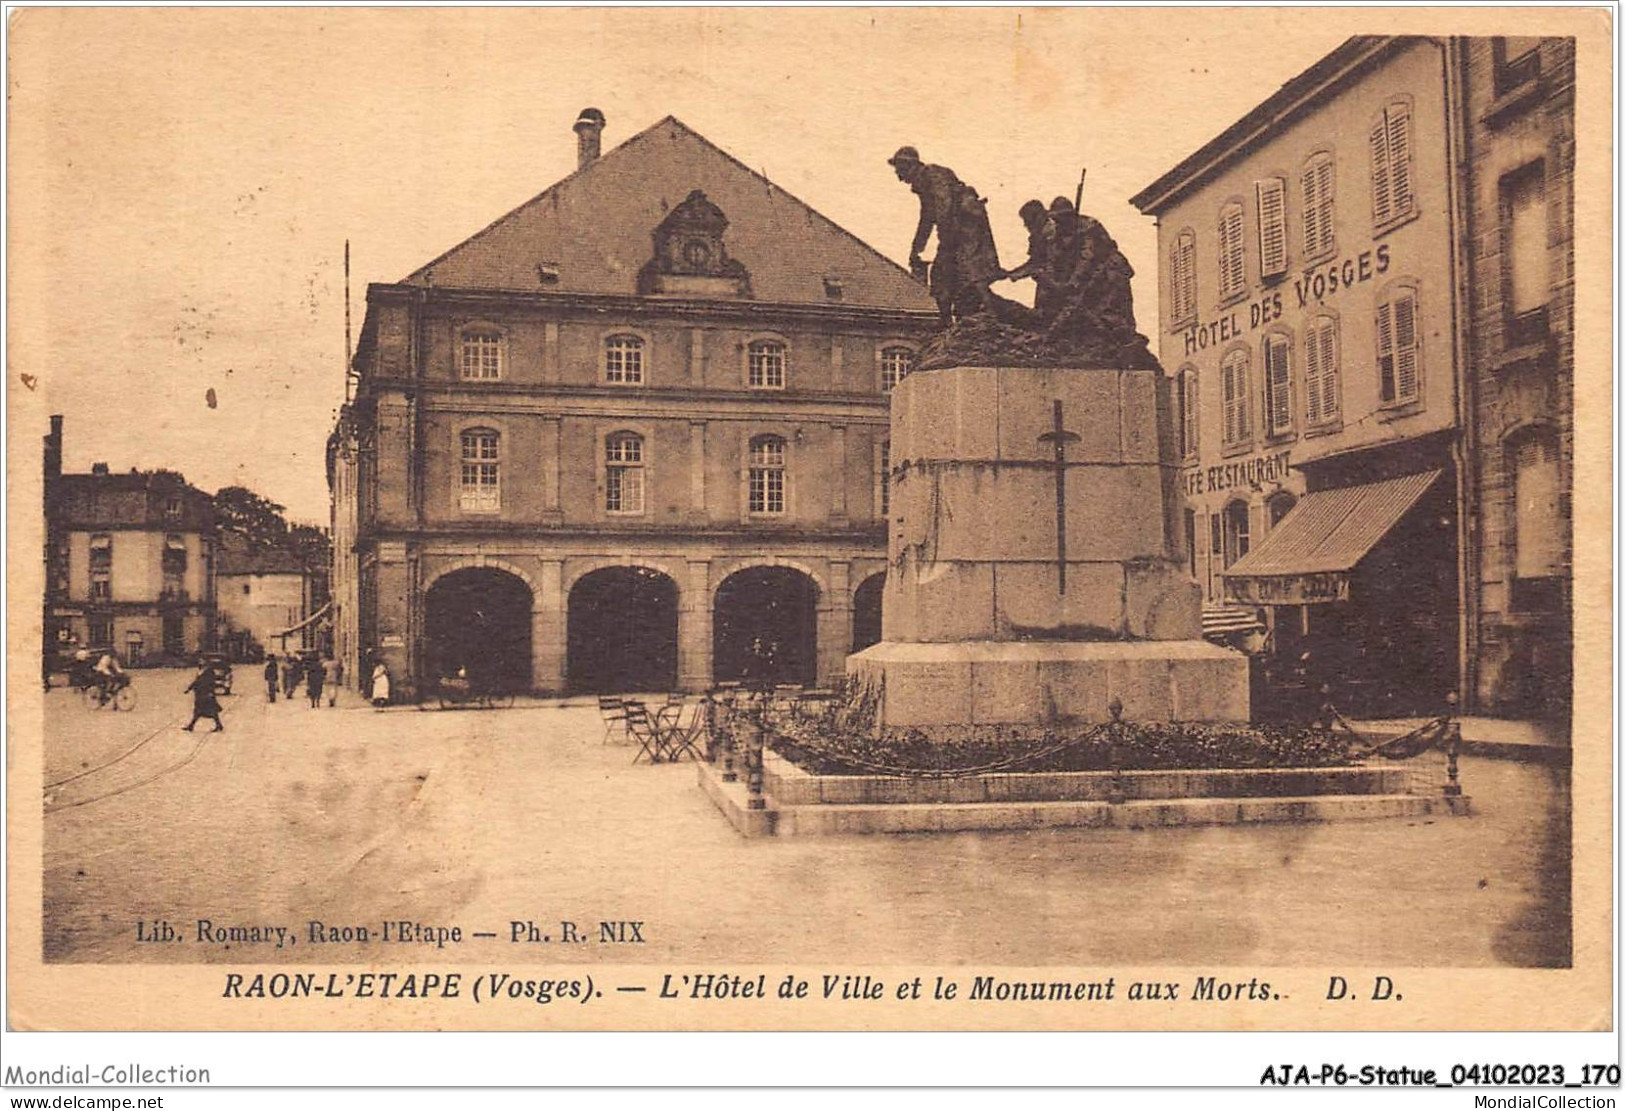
(1039, 233)
(1093, 301)
(967, 259)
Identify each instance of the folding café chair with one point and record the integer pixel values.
(684, 736)
(641, 729)
(613, 711)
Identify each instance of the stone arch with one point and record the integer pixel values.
(765, 618)
(621, 629)
(464, 562)
(578, 569)
(477, 626)
(725, 568)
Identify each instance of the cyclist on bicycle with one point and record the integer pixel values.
(110, 678)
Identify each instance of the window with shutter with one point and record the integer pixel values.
(1398, 349)
(1189, 411)
(1233, 375)
(1232, 256)
(1318, 225)
(1391, 184)
(1277, 384)
(1320, 371)
(1271, 195)
(1182, 276)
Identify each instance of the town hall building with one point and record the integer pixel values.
(631, 436)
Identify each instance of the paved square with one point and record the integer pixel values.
(477, 819)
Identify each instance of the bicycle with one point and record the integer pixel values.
(121, 696)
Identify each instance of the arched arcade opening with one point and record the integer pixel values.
(622, 631)
(477, 625)
(765, 627)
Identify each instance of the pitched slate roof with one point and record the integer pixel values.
(595, 227)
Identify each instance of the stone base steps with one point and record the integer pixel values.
(835, 818)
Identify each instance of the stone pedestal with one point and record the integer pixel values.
(976, 626)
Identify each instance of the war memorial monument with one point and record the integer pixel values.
(1041, 660)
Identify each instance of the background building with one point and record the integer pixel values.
(1331, 365)
(130, 563)
(1519, 192)
(260, 594)
(630, 436)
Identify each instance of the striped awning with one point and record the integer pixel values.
(1307, 557)
(1222, 621)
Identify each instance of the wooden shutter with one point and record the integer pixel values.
(1385, 350)
(1313, 365)
(1277, 383)
(1189, 410)
(1232, 259)
(1317, 205)
(1399, 158)
(1234, 373)
(1182, 276)
(1407, 381)
(1382, 197)
(1330, 371)
(1271, 193)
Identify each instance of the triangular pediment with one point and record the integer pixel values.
(592, 233)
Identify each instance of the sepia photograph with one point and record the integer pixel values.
(819, 519)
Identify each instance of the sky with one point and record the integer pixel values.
(182, 182)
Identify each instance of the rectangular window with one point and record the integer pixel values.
(480, 480)
(1271, 196)
(1517, 62)
(766, 366)
(101, 632)
(482, 355)
(1233, 372)
(1525, 257)
(1277, 384)
(623, 474)
(1391, 196)
(101, 567)
(1189, 412)
(1398, 358)
(623, 360)
(1319, 214)
(1215, 534)
(1232, 253)
(765, 479)
(766, 490)
(1182, 277)
(1320, 384)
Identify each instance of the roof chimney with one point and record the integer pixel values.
(99, 468)
(53, 449)
(589, 130)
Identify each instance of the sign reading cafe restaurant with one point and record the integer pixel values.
(1243, 472)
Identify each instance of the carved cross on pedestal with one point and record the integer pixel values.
(1059, 437)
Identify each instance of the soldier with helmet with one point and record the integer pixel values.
(967, 259)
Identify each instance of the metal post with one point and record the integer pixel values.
(753, 760)
(1452, 748)
(1114, 736)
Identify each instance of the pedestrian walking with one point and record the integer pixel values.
(315, 677)
(380, 685)
(290, 676)
(270, 678)
(335, 678)
(204, 702)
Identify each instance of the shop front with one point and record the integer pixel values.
(1360, 584)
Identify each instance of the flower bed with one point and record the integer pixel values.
(821, 749)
